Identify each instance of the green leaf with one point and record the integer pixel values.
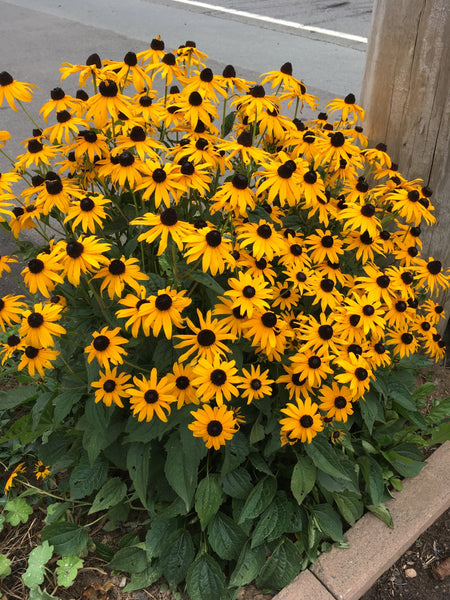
(237, 483)
(303, 478)
(423, 391)
(373, 477)
(281, 567)
(228, 123)
(5, 568)
(440, 410)
(110, 494)
(382, 513)
(68, 539)
(163, 355)
(226, 538)
(371, 409)
(129, 559)
(259, 498)
(236, 451)
(39, 556)
(177, 557)
(38, 407)
(248, 565)
(38, 594)
(406, 459)
(274, 520)
(138, 460)
(181, 467)
(18, 395)
(325, 457)
(440, 435)
(56, 511)
(64, 402)
(414, 361)
(67, 570)
(205, 580)
(18, 510)
(156, 537)
(86, 478)
(350, 506)
(208, 499)
(328, 521)
(207, 280)
(144, 578)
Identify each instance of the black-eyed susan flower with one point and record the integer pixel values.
(231, 81)
(324, 246)
(335, 146)
(151, 396)
(371, 314)
(248, 293)
(37, 359)
(43, 274)
(297, 386)
(106, 347)
(242, 148)
(319, 335)
(21, 468)
(433, 310)
(135, 311)
(91, 144)
(129, 71)
(41, 471)
(107, 104)
(303, 421)
(336, 401)
(11, 90)
(89, 212)
(159, 182)
(314, 366)
(265, 240)
(167, 68)
(325, 292)
(430, 273)
(154, 53)
(11, 310)
(82, 255)
(214, 249)
(377, 354)
(8, 348)
(255, 384)
(255, 102)
(280, 179)
(111, 387)
(256, 267)
(92, 69)
(163, 311)
(234, 196)
(357, 375)
(404, 342)
(207, 340)
(38, 153)
(39, 325)
(216, 379)
(59, 101)
(285, 296)
(57, 192)
(65, 129)
(215, 425)
(162, 225)
(350, 111)
(118, 273)
(400, 313)
(181, 377)
(376, 284)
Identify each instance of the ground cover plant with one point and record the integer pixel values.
(219, 333)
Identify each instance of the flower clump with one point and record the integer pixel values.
(209, 262)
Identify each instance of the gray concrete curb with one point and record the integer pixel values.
(346, 574)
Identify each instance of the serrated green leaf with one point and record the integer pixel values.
(414, 361)
(303, 478)
(18, 510)
(67, 569)
(129, 559)
(156, 538)
(350, 506)
(39, 556)
(237, 483)
(18, 395)
(406, 459)
(86, 478)
(110, 494)
(274, 520)
(225, 536)
(325, 458)
(138, 459)
(281, 567)
(208, 499)
(56, 511)
(139, 581)
(329, 521)
(236, 451)
(373, 477)
(423, 391)
(382, 512)
(205, 580)
(177, 557)
(248, 565)
(68, 539)
(259, 498)
(181, 467)
(440, 411)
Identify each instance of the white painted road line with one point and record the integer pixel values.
(293, 24)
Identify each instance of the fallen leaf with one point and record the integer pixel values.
(443, 569)
(94, 592)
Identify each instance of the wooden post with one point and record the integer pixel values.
(406, 95)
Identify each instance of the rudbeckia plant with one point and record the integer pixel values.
(218, 333)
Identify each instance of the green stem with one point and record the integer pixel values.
(28, 115)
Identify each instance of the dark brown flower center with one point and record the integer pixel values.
(109, 386)
(36, 265)
(117, 267)
(31, 352)
(35, 320)
(264, 231)
(306, 421)
(182, 382)
(163, 302)
(361, 374)
(101, 342)
(213, 238)
(206, 337)
(325, 332)
(74, 249)
(151, 396)
(255, 384)
(314, 362)
(340, 402)
(108, 88)
(218, 377)
(269, 319)
(214, 428)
